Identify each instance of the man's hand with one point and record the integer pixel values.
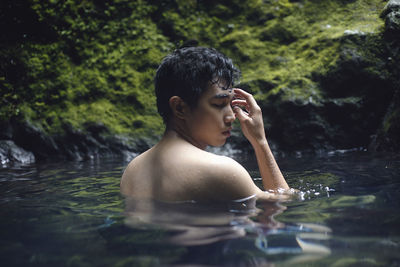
(249, 115)
(251, 121)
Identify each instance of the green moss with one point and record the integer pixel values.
(100, 62)
(309, 44)
(99, 71)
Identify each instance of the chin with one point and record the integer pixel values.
(219, 144)
(217, 141)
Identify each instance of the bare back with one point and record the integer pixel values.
(175, 170)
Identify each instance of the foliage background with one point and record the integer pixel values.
(76, 76)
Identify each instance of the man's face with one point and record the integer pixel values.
(210, 122)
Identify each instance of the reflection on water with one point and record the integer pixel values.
(236, 226)
(189, 223)
(71, 214)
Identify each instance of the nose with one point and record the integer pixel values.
(229, 116)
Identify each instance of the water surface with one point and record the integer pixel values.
(72, 214)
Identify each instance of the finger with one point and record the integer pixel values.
(240, 114)
(240, 103)
(248, 97)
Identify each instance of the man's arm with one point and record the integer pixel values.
(252, 125)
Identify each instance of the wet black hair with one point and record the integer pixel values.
(188, 72)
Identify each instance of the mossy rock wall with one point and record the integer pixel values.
(76, 76)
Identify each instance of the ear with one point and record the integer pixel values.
(179, 107)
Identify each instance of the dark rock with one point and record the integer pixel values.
(32, 138)
(393, 21)
(6, 130)
(11, 153)
(392, 5)
(297, 126)
(97, 141)
(391, 15)
(355, 91)
(388, 135)
(356, 94)
(70, 143)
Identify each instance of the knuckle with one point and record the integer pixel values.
(246, 120)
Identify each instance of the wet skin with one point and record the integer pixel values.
(178, 168)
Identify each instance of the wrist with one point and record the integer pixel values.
(259, 143)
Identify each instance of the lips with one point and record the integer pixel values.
(227, 132)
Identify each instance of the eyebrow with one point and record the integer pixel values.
(221, 96)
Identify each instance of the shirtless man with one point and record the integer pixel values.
(198, 105)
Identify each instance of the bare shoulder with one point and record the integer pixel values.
(134, 163)
(226, 166)
(184, 173)
(133, 169)
(227, 179)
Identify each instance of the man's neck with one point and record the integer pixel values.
(181, 132)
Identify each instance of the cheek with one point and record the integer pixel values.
(211, 117)
(207, 118)
(202, 122)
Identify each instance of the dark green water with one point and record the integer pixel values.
(71, 214)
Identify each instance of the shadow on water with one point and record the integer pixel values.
(72, 214)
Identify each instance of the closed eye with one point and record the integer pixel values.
(220, 105)
(221, 100)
